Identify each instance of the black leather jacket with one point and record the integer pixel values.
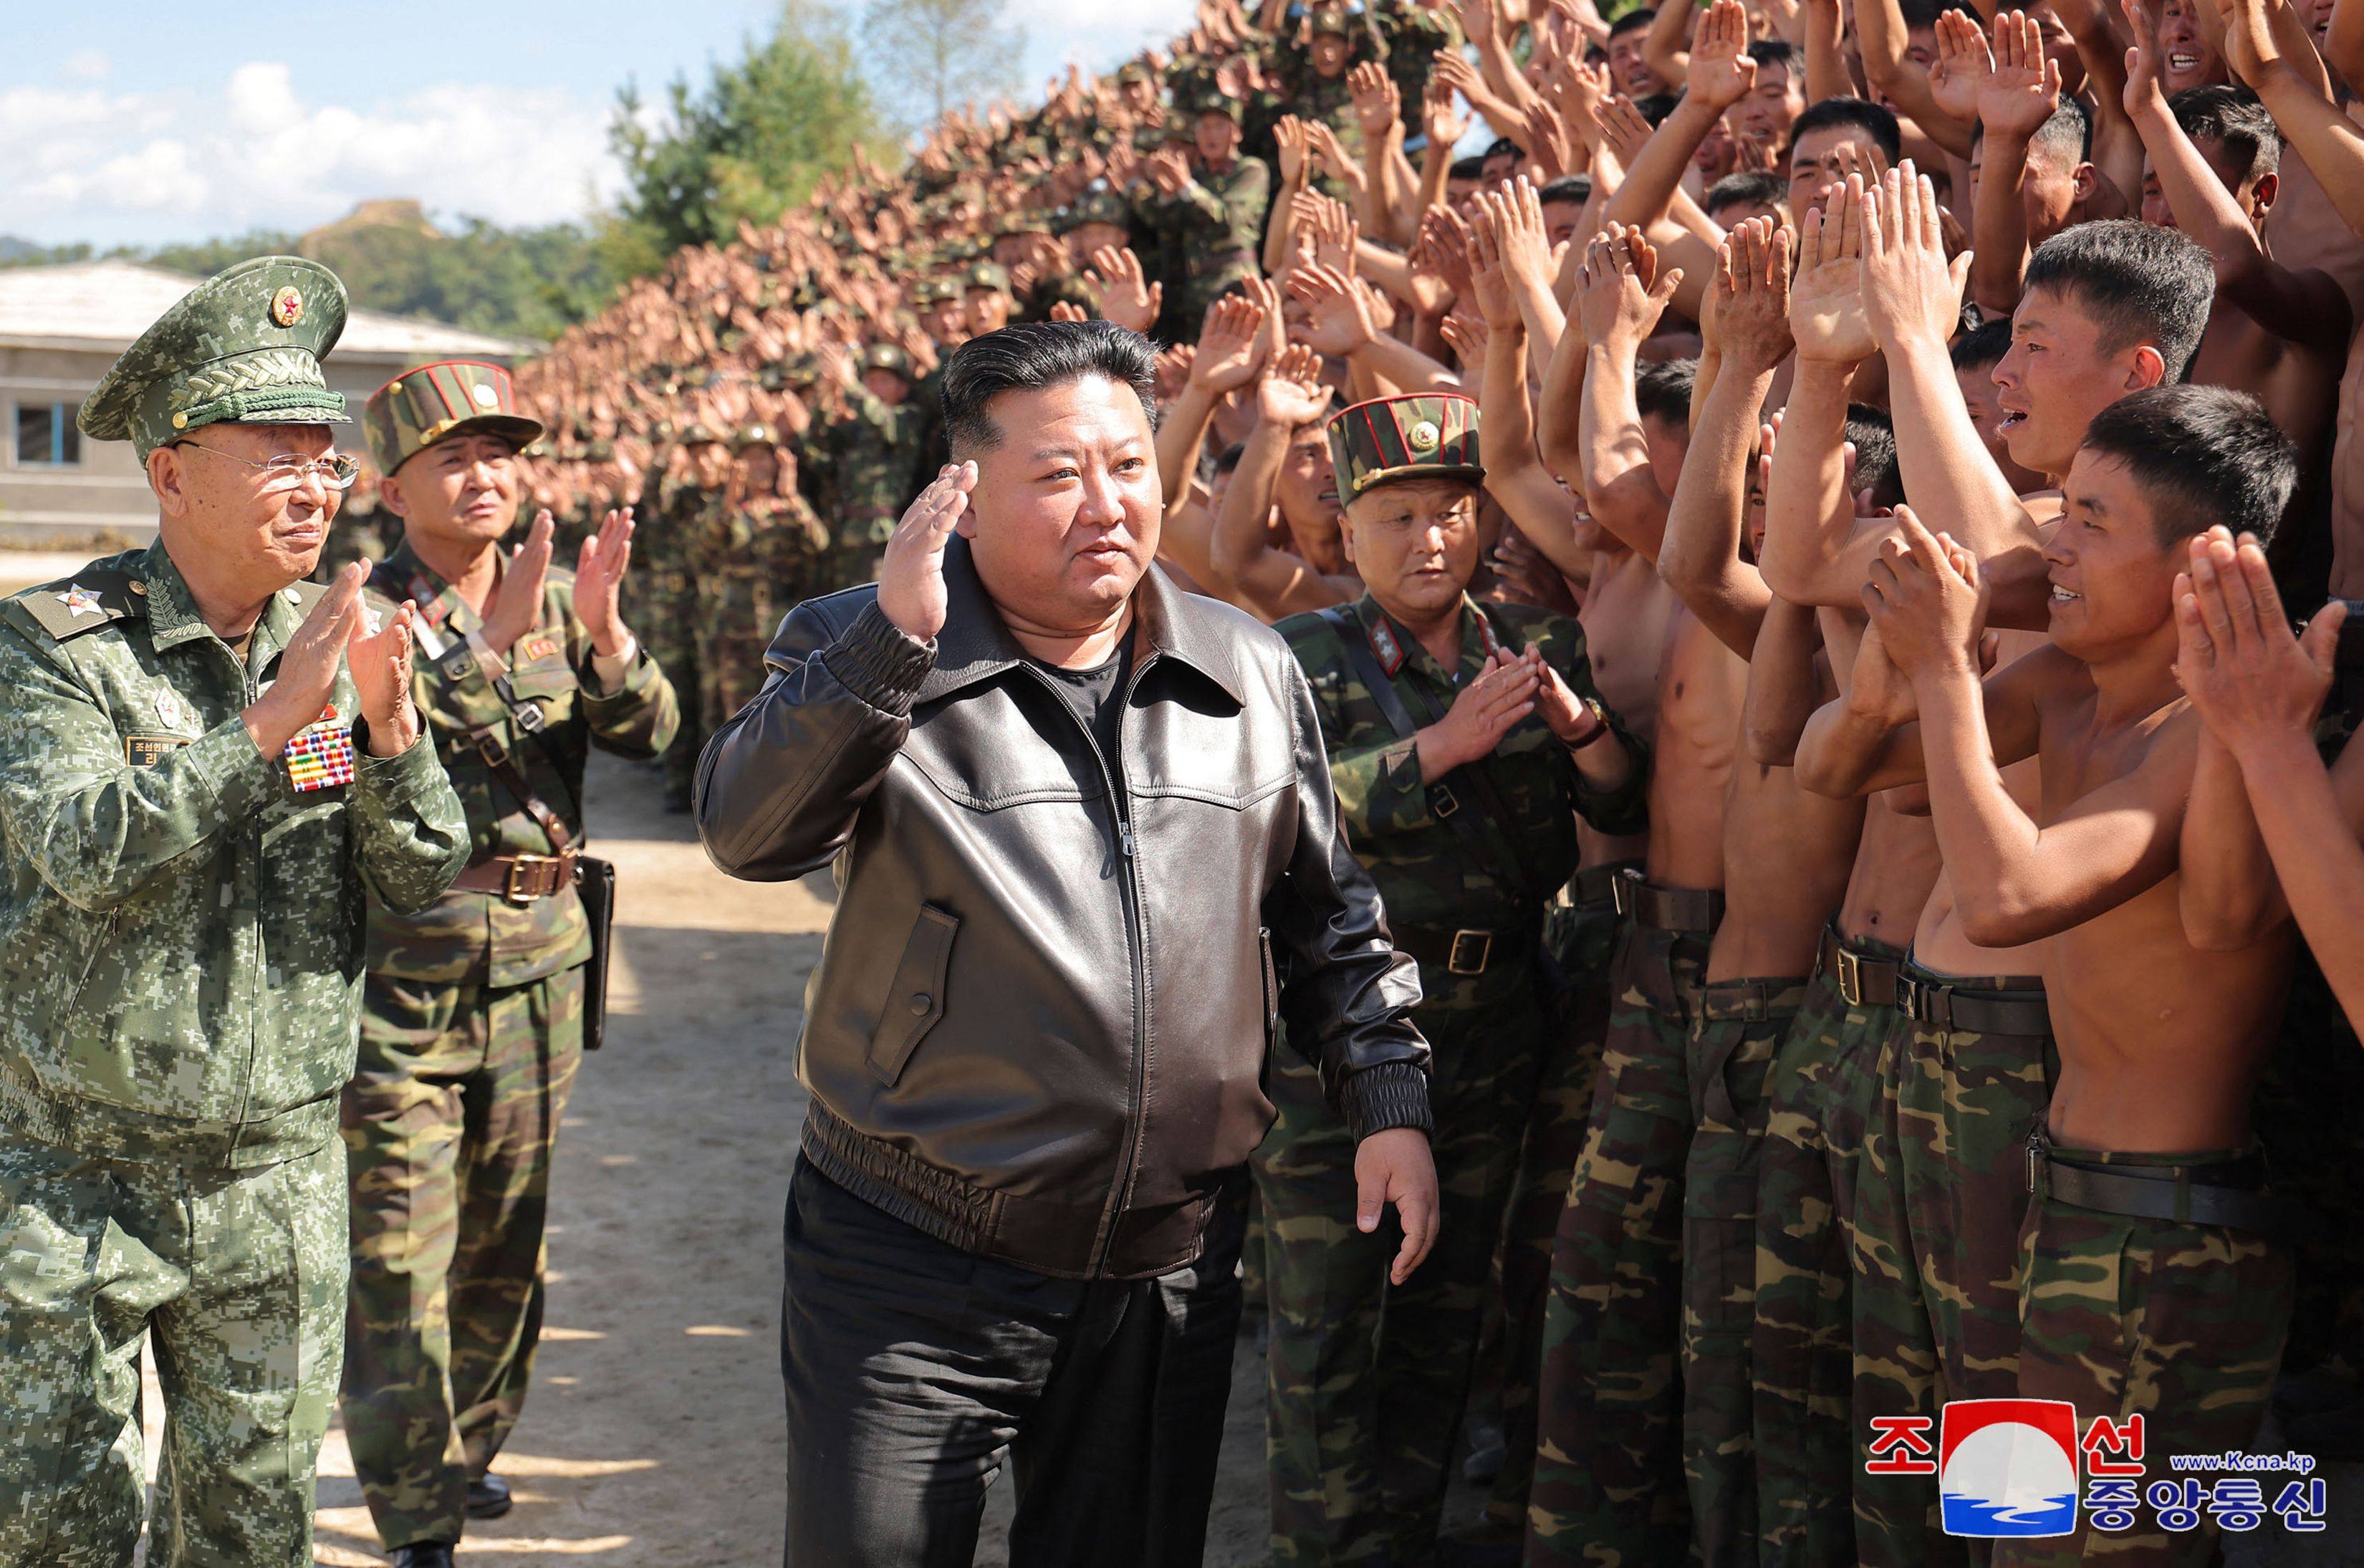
(1039, 1026)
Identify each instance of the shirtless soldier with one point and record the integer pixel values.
(2155, 1286)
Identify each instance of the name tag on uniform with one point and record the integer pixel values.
(147, 750)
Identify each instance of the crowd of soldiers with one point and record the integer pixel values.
(1867, 1045)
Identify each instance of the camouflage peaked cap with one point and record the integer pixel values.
(989, 275)
(1095, 206)
(1225, 105)
(1133, 70)
(1387, 439)
(242, 347)
(1331, 19)
(887, 357)
(747, 436)
(431, 403)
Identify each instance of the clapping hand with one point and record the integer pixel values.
(517, 603)
(2254, 682)
(1925, 594)
(1231, 346)
(599, 580)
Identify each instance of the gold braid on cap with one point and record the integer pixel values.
(252, 373)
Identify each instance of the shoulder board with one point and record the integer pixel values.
(98, 595)
(1388, 647)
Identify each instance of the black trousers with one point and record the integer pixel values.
(913, 1368)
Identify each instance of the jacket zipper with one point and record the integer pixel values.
(1136, 942)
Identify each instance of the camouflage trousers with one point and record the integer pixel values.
(1741, 1023)
(1939, 1198)
(1365, 1381)
(447, 1124)
(238, 1279)
(2181, 1324)
(730, 671)
(1583, 937)
(1824, 1084)
(1607, 1489)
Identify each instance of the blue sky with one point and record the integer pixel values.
(243, 115)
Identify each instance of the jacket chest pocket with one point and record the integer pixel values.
(545, 681)
(916, 999)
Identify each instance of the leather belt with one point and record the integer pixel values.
(1689, 911)
(1456, 953)
(1756, 1001)
(520, 879)
(1598, 885)
(1866, 980)
(1973, 1008)
(2175, 1194)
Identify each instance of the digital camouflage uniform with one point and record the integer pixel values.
(2180, 1324)
(756, 560)
(1367, 1381)
(1608, 1484)
(471, 1030)
(1582, 937)
(1939, 1197)
(1741, 1023)
(180, 971)
(1825, 1088)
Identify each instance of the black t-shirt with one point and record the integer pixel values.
(1095, 696)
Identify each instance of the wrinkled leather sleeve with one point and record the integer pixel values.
(1347, 994)
(780, 785)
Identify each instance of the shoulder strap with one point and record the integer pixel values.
(95, 596)
(1441, 798)
(504, 764)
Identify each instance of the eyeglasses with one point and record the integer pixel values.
(287, 471)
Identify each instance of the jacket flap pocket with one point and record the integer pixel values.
(916, 1000)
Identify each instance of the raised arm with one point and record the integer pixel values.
(2016, 98)
(1623, 296)
(1536, 504)
(2307, 308)
(1232, 345)
(1700, 558)
(1275, 582)
(2330, 142)
(1879, 42)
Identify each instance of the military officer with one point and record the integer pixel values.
(1464, 739)
(760, 552)
(1212, 218)
(203, 761)
(472, 1019)
(672, 608)
(985, 304)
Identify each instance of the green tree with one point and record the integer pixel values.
(751, 144)
(938, 54)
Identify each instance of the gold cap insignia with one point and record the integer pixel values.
(1425, 435)
(287, 307)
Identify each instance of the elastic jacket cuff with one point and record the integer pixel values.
(1389, 1094)
(879, 662)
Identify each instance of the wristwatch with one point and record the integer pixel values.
(1599, 726)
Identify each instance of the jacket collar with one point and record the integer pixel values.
(441, 605)
(976, 645)
(174, 617)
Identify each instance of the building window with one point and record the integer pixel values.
(46, 436)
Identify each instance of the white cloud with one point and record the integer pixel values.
(86, 65)
(271, 150)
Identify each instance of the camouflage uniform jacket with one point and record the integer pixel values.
(181, 928)
(1425, 871)
(872, 450)
(482, 937)
(756, 560)
(1215, 216)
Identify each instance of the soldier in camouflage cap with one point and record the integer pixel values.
(985, 296)
(1211, 226)
(473, 1014)
(204, 762)
(1463, 807)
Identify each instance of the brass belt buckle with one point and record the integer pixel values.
(526, 871)
(1484, 942)
(1850, 969)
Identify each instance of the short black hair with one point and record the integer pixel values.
(2066, 133)
(1924, 12)
(1748, 185)
(1781, 52)
(1874, 121)
(1470, 167)
(1640, 16)
(2204, 455)
(1664, 387)
(1657, 106)
(1037, 354)
(1575, 189)
(1982, 345)
(2234, 119)
(1229, 458)
(1874, 438)
(2141, 282)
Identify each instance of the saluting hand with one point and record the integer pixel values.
(599, 582)
(912, 576)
